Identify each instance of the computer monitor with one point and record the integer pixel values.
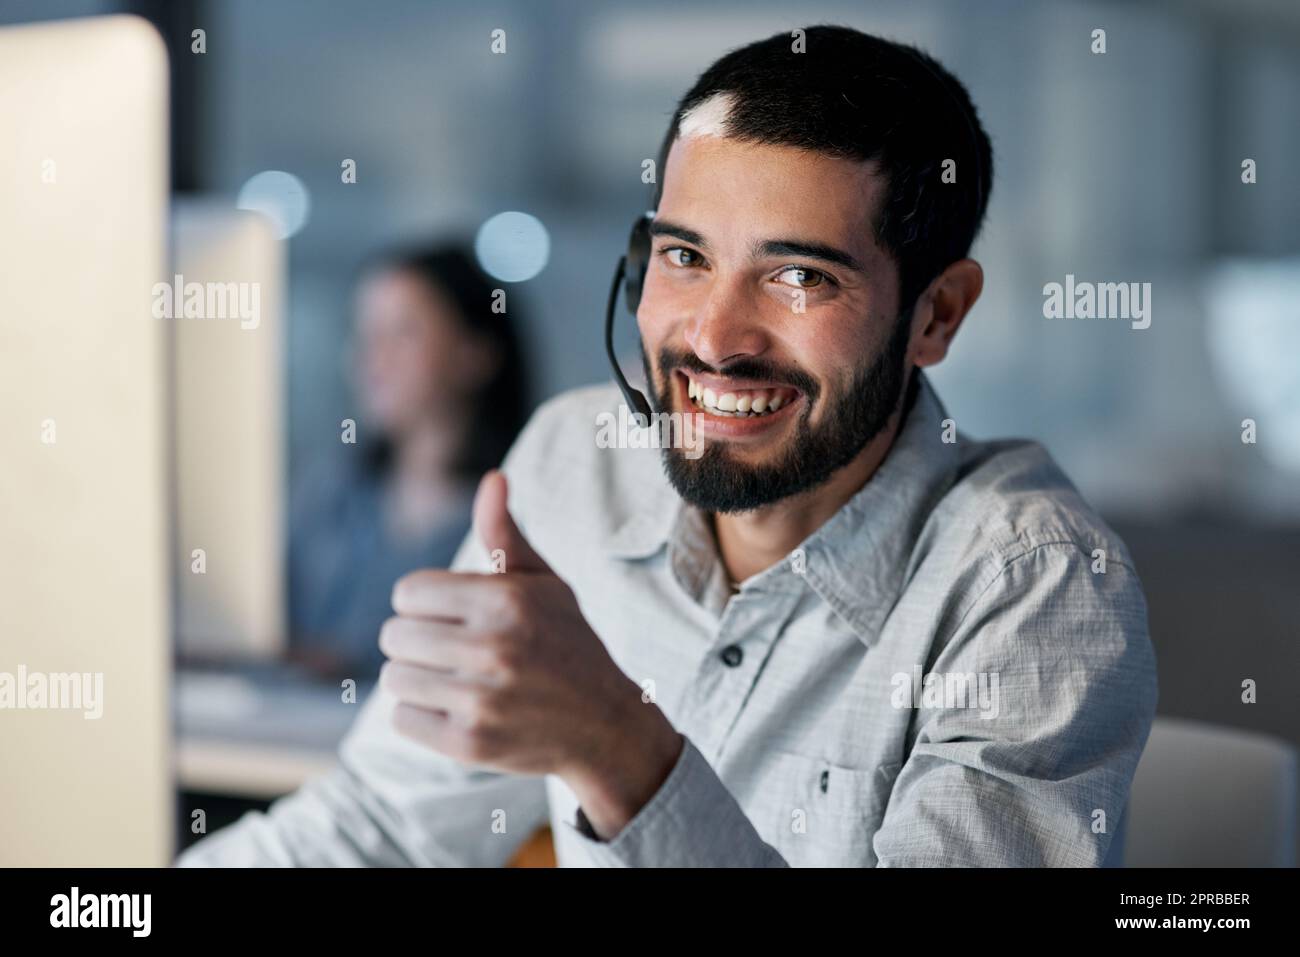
(227, 292)
(85, 613)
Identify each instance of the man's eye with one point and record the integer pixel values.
(680, 256)
(802, 278)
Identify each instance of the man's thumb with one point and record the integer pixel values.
(507, 549)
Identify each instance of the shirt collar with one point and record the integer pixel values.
(858, 560)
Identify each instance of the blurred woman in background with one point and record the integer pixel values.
(441, 386)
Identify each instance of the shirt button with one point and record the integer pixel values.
(732, 656)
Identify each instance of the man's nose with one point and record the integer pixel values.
(726, 325)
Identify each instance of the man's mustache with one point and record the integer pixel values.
(748, 368)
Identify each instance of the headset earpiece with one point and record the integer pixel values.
(630, 275)
(638, 262)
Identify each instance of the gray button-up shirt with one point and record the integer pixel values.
(954, 670)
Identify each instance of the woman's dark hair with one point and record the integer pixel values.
(854, 95)
(501, 406)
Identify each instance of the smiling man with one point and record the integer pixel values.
(845, 634)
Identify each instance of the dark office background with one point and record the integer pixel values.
(1118, 167)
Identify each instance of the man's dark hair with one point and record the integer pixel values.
(857, 96)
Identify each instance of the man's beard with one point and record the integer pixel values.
(716, 481)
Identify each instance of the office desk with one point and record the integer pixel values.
(256, 734)
(260, 736)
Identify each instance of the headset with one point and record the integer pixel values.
(632, 266)
(630, 274)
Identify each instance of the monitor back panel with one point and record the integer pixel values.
(84, 594)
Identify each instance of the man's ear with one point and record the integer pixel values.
(941, 309)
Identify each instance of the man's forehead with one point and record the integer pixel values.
(709, 175)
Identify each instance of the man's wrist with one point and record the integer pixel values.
(643, 749)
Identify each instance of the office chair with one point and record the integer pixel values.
(1211, 796)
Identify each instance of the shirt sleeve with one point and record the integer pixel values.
(389, 802)
(1044, 779)
(691, 821)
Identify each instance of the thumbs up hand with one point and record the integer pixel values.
(502, 670)
(497, 532)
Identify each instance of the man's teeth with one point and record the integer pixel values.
(747, 403)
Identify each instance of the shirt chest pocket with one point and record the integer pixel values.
(819, 814)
